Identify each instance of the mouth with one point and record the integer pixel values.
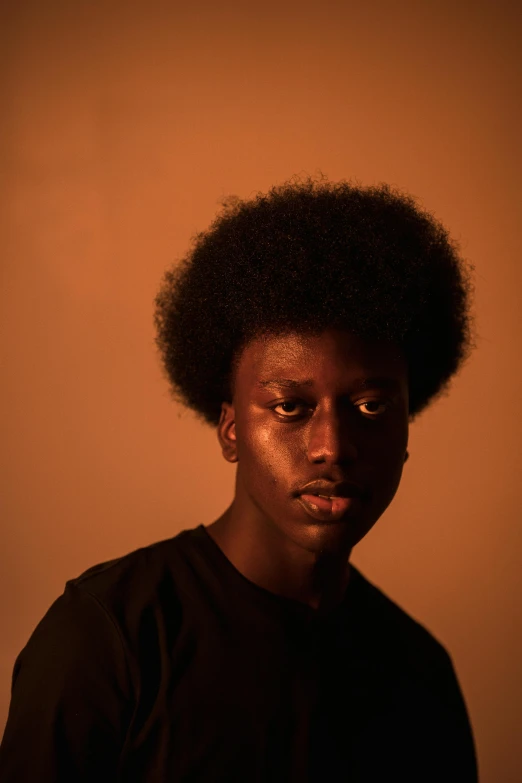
(328, 508)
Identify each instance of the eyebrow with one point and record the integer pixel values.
(381, 382)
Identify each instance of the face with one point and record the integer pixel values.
(332, 407)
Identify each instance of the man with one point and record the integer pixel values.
(310, 326)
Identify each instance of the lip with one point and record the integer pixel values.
(329, 510)
(344, 489)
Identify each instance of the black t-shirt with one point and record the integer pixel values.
(167, 665)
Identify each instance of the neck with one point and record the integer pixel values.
(261, 552)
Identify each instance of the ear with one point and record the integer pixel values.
(226, 432)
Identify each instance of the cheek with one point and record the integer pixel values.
(388, 443)
(388, 473)
(383, 458)
(267, 457)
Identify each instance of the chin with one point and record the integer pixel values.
(318, 537)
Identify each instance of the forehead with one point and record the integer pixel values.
(331, 353)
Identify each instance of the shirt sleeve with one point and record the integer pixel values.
(453, 753)
(71, 697)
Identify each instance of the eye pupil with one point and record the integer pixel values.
(292, 404)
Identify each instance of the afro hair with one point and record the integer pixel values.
(306, 256)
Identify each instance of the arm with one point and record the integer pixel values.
(453, 754)
(71, 697)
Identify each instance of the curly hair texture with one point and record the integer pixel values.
(307, 256)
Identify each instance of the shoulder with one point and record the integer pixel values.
(392, 632)
(143, 580)
(109, 592)
(407, 667)
(115, 610)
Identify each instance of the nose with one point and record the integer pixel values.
(331, 439)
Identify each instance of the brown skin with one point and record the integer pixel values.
(325, 431)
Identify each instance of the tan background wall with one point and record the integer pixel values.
(122, 126)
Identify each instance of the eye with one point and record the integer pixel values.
(373, 414)
(374, 408)
(288, 403)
